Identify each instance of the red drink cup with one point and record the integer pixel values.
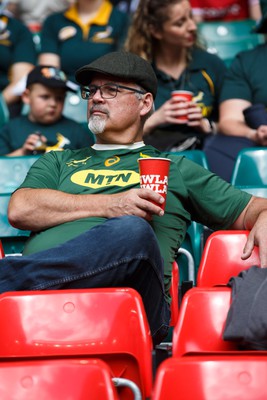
(154, 175)
(182, 95)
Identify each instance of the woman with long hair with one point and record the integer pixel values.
(164, 33)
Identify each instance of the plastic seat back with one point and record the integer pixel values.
(212, 378)
(221, 258)
(260, 191)
(198, 156)
(4, 113)
(13, 171)
(2, 251)
(174, 294)
(59, 379)
(12, 239)
(75, 107)
(250, 167)
(201, 321)
(227, 38)
(105, 323)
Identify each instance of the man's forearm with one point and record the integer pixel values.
(231, 127)
(38, 209)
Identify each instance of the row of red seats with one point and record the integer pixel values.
(99, 335)
(43, 328)
(203, 366)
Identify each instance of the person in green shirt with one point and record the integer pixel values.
(17, 58)
(164, 33)
(93, 226)
(44, 127)
(82, 33)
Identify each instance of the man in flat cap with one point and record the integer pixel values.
(93, 226)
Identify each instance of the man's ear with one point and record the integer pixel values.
(147, 104)
(26, 96)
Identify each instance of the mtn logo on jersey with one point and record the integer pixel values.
(95, 179)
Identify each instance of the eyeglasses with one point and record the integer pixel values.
(107, 91)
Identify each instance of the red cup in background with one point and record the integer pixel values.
(182, 95)
(154, 175)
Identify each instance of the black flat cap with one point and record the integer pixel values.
(121, 64)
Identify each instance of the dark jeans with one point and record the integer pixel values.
(119, 253)
(221, 152)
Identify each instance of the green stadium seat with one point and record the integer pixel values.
(250, 167)
(12, 239)
(227, 38)
(14, 170)
(4, 113)
(195, 155)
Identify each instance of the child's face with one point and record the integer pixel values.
(46, 104)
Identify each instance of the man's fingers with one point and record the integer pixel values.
(249, 246)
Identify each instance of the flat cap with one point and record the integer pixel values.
(121, 64)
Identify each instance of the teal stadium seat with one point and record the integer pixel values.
(250, 167)
(12, 239)
(189, 255)
(197, 156)
(14, 170)
(260, 191)
(228, 38)
(75, 107)
(4, 113)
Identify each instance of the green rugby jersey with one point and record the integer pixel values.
(193, 193)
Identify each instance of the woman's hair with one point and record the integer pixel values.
(149, 15)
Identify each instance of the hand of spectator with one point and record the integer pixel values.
(195, 118)
(32, 142)
(257, 237)
(261, 135)
(135, 202)
(170, 112)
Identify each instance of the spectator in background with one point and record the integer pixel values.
(244, 86)
(225, 10)
(81, 34)
(17, 58)
(44, 128)
(33, 12)
(164, 33)
(127, 6)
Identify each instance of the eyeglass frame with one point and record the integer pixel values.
(86, 90)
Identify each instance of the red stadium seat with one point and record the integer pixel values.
(2, 252)
(201, 322)
(60, 379)
(221, 258)
(106, 323)
(212, 378)
(174, 294)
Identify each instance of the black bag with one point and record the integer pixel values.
(167, 140)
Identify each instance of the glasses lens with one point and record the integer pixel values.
(109, 91)
(85, 93)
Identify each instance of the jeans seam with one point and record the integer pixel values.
(92, 273)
